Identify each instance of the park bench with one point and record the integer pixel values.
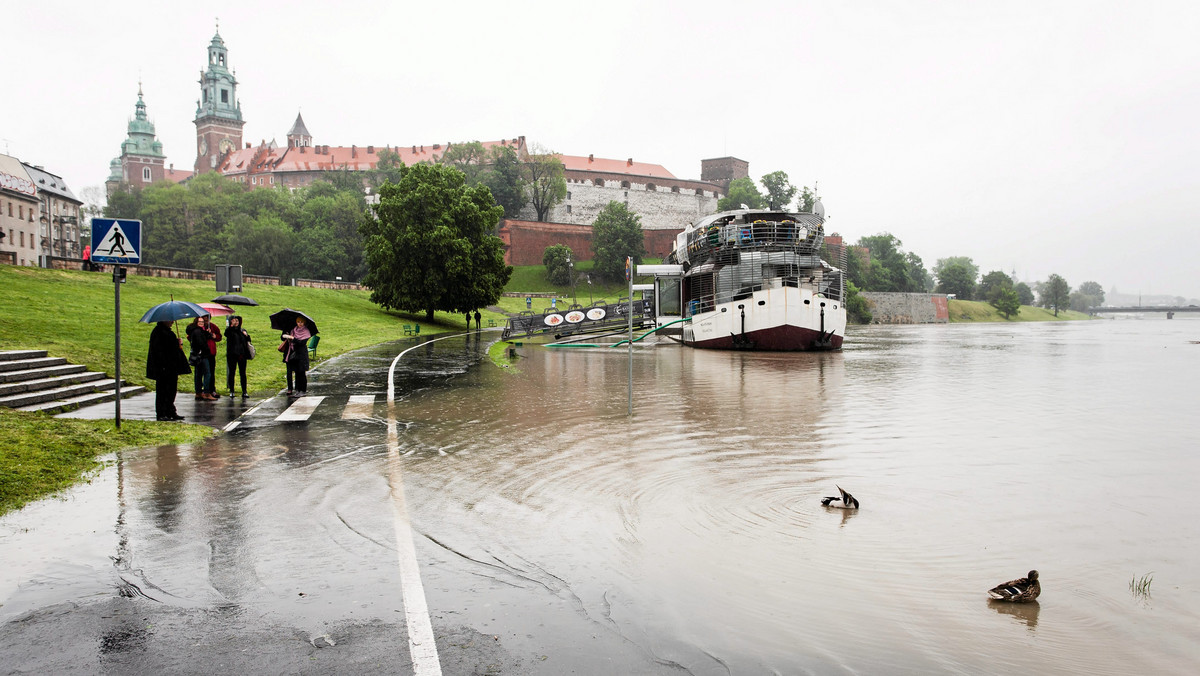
(412, 330)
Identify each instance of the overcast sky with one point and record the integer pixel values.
(1038, 137)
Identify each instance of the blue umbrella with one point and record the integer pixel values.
(172, 310)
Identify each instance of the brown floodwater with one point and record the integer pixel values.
(565, 536)
(978, 452)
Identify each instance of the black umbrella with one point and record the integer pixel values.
(173, 310)
(285, 320)
(233, 299)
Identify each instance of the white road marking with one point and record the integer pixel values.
(359, 406)
(300, 410)
(233, 425)
(416, 612)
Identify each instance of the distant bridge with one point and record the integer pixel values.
(1169, 309)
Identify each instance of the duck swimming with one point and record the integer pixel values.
(1022, 590)
(847, 501)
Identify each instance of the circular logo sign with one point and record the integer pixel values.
(595, 313)
(575, 316)
(553, 320)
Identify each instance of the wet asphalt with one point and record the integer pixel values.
(273, 548)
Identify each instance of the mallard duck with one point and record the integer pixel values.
(1023, 590)
(847, 501)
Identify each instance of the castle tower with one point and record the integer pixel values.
(218, 112)
(723, 171)
(141, 159)
(299, 137)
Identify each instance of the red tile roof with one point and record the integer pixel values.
(591, 163)
(332, 158)
(176, 175)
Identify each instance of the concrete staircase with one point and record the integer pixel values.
(31, 381)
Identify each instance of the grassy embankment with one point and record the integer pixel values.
(980, 311)
(40, 455)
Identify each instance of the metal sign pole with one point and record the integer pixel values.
(629, 308)
(117, 296)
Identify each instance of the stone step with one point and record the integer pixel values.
(25, 399)
(9, 355)
(35, 384)
(47, 372)
(26, 364)
(84, 400)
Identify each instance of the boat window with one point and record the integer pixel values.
(668, 294)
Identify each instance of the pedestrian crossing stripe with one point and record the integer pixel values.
(300, 410)
(358, 407)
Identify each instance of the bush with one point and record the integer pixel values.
(557, 259)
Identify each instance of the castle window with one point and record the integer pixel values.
(675, 189)
(146, 174)
(625, 184)
(20, 212)
(650, 187)
(568, 194)
(205, 96)
(568, 208)
(599, 182)
(224, 96)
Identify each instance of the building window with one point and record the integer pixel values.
(568, 194)
(625, 184)
(568, 208)
(224, 96)
(10, 209)
(272, 180)
(146, 174)
(599, 182)
(650, 187)
(20, 212)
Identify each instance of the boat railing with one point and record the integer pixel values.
(828, 286)
(760, 234)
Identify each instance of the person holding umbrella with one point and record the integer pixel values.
(295, 347)
(165, 362)
(203, 337)
(237, 351)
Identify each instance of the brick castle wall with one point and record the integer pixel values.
(907, 308)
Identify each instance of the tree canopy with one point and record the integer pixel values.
(957, 278)
(506, 180)
(742, 191)
(616, 235)
(1087, 296)
(543, 176)
(557, 259)
(1005, 300)
(429, 244)
(1056, 293)
(780, 190)
(889, 267)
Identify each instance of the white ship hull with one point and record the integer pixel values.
(782, 318)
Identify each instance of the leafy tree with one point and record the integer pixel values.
(469, 158)
(780, 190)
(890, 269)
(957, 278)
(345, 179)
(993, 282)
(742, 191)
(335, 216)
(388, 166)
(1006, 301)
(543, 174)
(557, 259)
(942, 263)
(616, 234)
(1024, 293)
(1088, 296)
(428, 244)
(857, 309)
(506, 180)
(265, 244)
(125, 202)
(1056, 293)
(808, 197)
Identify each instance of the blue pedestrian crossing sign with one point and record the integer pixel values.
(116, 241)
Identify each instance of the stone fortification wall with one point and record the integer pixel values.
(666, 204)
(907, 308)
(328, 284)
(60, 263)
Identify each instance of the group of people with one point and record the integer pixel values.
(166, 360)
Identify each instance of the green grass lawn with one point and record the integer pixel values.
(70, 314)
(40, 455)
(980, 311)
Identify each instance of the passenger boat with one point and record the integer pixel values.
(754, 279)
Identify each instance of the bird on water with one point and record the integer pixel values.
(1022, 590)
(846, 501)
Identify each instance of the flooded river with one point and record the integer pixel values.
(978, 452)
(554, 528)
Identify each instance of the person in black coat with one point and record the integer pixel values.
(165, 362)
(237, 351)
